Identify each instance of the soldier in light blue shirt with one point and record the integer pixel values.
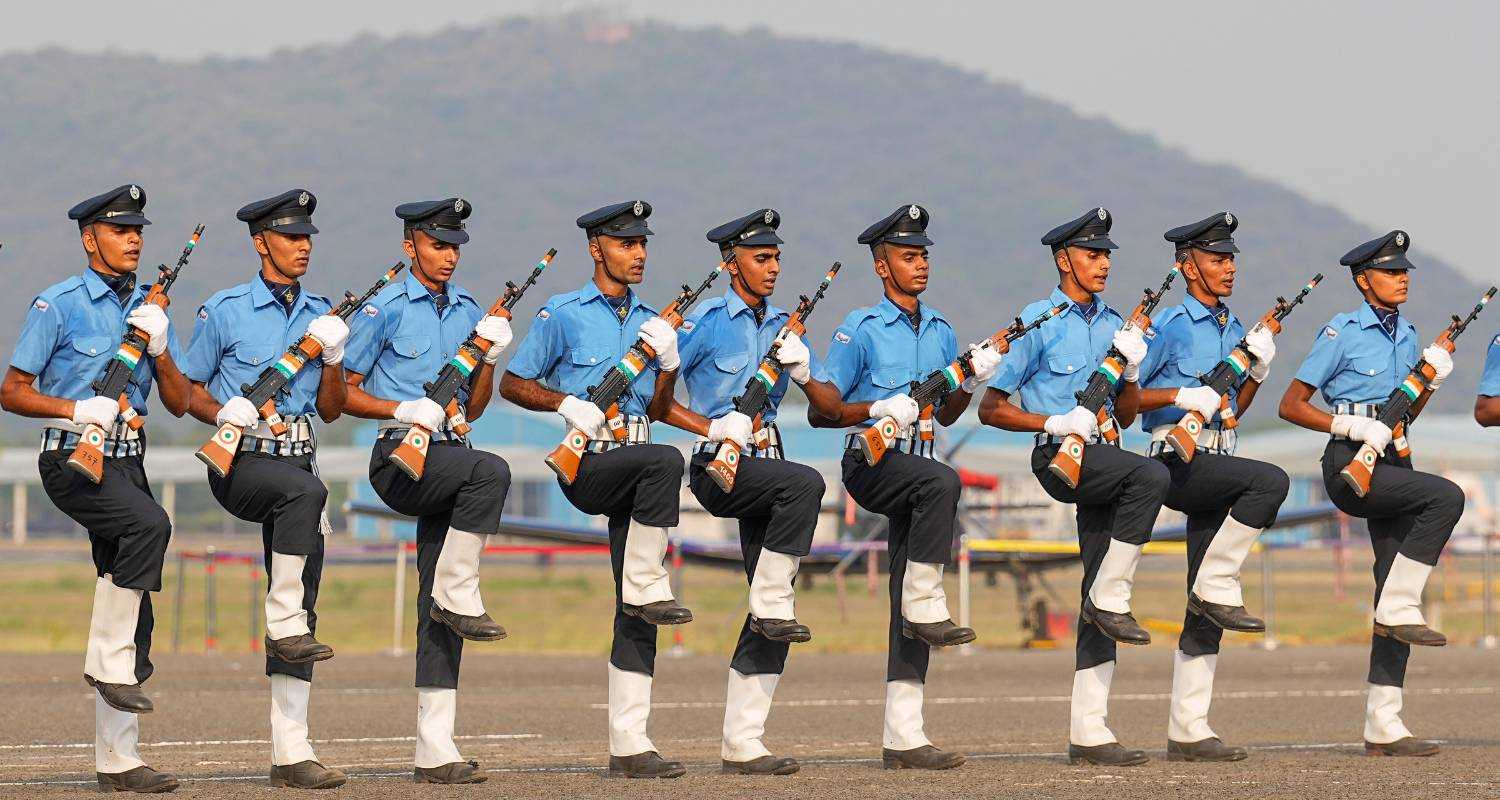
(875, 357)
(71, 335)
(776, 501)
(1228, 500)
(403, 339)
(1357, 360)
(1119, 493)
(1487, 407)
(575, 340)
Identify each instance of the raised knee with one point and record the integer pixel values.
(1449, 498)
(1273, 481)
(156, 527)
(945, 484)
(1153, 477)
(667, 462)
(810, 483)
(493, 470)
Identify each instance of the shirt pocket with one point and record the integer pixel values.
(731, 363)
(1066, 364)
(1196, 367)
(585, 358)
(1370, 365)
(897, 378)
(411, 346)
(255, 355)
(93, 346)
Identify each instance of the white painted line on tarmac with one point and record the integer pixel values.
(1268, 694)
(223, 742)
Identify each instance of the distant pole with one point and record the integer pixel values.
(18, 512)
(169, 501)
(1268, 597)
(1487, 640)
(678, 647)
(180, 597)
(210, 611)
(398, 614)
(963, 591)
(254, 606)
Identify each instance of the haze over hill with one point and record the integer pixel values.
(537, 121)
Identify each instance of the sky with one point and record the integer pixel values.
(1384, 109)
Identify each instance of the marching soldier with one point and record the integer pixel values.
(1358, 359)
(240, 332)
(1228, 501)
(1487, 406)
(576, 338)
(68, 340)
(413, 329)
(1119, 493)
(875, 356)
(776, 501)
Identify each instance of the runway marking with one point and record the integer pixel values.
(214, 742)
(1268, 694)
(595, 768)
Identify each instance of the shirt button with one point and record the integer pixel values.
(92, 351)
(594, 360)
(1070, 367)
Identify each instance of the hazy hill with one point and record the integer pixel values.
(536, 121)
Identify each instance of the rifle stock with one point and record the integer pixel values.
(87, 459)
(1067, 464)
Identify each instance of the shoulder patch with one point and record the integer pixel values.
(40, 304)
(687, 326)
(1497, 338)
(1150, 332)
(543, 313)
(203, 312)
(370, 310)
(842, 336)
(1330, 331)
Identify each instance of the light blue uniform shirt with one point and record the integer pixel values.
(243, 330)
(73, 330)
(721, 347)
(1489, 382)
(1184, 343)
(576, 338)
(399, 341)
(1051, 364)
(1355, 361)
(875, 354)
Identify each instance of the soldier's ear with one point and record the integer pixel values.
(259, 243)
(86, 236)
(1361, 281)
(410, 247)
(595, 251)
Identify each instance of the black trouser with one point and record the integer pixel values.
(639, 482)
(1207, 490)
(919, 497)
(1408, 512)
(1119, 495)
(777, 503)
(128, 530)
(287, 499)
(460, 488)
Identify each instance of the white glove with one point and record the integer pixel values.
(1441, 361)
(1372, 432)
(901, 408)
(584, 416)
(421, 411)
(100, 411)
(985, 359)
(793, 355)
(330, 332)
(1262, 346)
(1132, 345)
(1201, 399)
(497, 330)
(238, 412)
(734, 427)
(153, 322)
(661, 337)
(1079, 421)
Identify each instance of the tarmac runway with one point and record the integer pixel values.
(536, 724)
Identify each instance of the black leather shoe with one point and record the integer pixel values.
(1230, 618)
(781, 630)
(141, 779)
(476, 629)
(307, 775)
(937, 634)
(299, 649)
(765, 765)
(456, 772)
(1113, 754)
(662, 612)
(1410, 747)
(126, 697)
(1419, 635)
(1210, 749)
(1121, 627)
(649, 764)
(924, 757)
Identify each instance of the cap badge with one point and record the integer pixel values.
(770, 216)
(1400, 240)
(1228, 218)
(458, 206)
(914, 212)
(135, 192)
(303, 198)
(1102, 214)
(639, 208)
